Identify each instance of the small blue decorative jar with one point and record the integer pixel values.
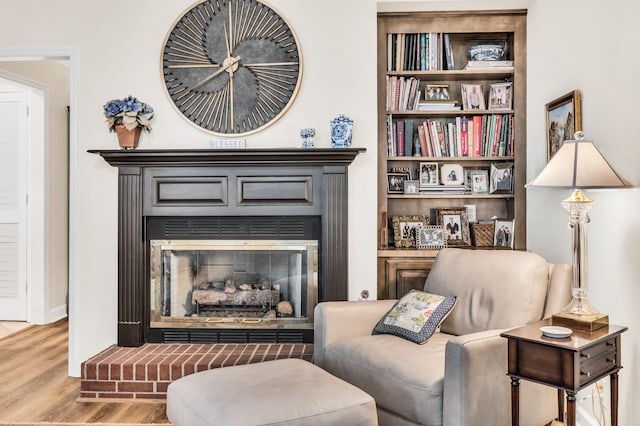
(341, 132)
(307, 137)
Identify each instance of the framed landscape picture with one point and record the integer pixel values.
(564, 118)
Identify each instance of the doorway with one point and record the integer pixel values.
(44, 80)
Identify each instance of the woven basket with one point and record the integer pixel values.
(482, 234)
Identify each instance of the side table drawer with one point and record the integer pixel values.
(598, 360)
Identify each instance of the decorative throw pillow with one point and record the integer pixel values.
(416, 316)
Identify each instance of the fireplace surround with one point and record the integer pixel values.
(282, 196)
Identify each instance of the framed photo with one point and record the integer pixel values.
(564, 118)
(501, 96)
(501, 181)
(452, 174)
(479, 181)
(395, 182)
(429, 174)
(472, 96)
(456, 226)
(411, 187)
(431, 237)
(436, 92)
(406, 229)
(503, 233)
(471, 212)
(405, 170)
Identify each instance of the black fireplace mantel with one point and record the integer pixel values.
(224, 182)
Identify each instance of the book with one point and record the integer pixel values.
(424, 150)
(408, 138)
(448, 52)
(488, 64)
(438, 106)
(477, 135)
(400, 138)
(464, 142)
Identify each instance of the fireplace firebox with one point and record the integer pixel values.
(256, 237)
(236, 283)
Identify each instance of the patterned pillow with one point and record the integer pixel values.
(416, 316)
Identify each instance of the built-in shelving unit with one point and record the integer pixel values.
(443, 60)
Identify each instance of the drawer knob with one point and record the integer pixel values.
(587, 356)
(611, 343)
(588, 373)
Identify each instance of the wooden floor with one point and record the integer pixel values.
(35, 388)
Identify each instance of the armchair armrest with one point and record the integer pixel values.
(477, 389)
(340, 320)
(476, 385)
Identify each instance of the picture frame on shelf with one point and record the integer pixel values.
(429, 174)
(504, 233)
(564, 118)
(501, 96)
(479, 181)
(411, 187)
(472, 96)
(501, 178)
(471, 213)
(436, 92)
(431, 237)
(395, 182)
(467, 176)
(456, 225)
(452, 174)
(406, 228)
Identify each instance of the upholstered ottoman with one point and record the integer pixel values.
(280, 392)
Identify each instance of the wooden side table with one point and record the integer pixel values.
(569, 364)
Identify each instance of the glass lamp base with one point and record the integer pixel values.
(579, 315)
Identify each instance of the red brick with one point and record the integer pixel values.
(161, 387)
(88, 395)
(98, 386)
(135, 386)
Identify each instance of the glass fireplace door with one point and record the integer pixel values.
(265, 283)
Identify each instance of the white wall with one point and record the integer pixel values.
(592, 46)
(119, 44)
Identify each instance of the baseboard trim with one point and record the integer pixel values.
(57, 313)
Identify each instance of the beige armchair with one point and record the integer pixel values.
(459, 376)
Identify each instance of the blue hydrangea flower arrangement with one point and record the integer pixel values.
(128, 111)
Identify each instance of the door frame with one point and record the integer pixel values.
(40, 307)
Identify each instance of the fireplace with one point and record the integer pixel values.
(237, 283)
(218, 246)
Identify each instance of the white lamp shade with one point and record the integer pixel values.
(578, 164)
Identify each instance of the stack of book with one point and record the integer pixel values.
(438, 106)
(442, 189)
(489, 65)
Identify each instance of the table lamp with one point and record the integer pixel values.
(578, 165)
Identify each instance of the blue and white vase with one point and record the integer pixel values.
(341, 132)
(307, 137)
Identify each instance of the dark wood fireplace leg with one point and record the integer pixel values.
(131, 287)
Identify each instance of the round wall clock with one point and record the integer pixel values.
(231, 67)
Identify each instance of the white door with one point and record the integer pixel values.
(13, 206)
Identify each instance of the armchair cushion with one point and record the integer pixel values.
(401, 376)
(416, 316)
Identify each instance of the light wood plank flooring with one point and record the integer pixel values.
(34, 386)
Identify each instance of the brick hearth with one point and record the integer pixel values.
(145, 372)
